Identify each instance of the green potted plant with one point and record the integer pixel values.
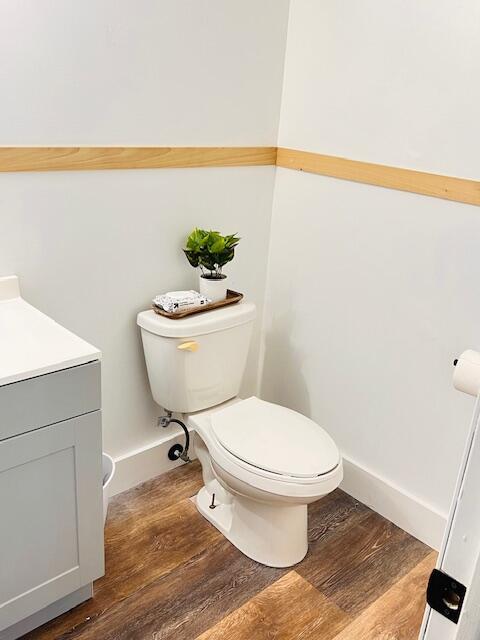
(210, 251)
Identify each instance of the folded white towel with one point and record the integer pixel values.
(180, 301)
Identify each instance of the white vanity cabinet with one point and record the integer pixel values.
(51, 522)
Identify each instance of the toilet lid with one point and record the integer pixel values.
(275, 439)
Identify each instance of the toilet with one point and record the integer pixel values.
(262, 463)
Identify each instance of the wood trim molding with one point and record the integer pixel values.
(428, 184)
(92, 158)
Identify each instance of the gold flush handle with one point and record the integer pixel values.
(188, 346)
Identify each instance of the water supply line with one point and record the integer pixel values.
(177, 451)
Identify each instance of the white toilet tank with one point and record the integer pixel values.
(196, 362)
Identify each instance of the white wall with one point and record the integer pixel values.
(92, 248)
(389, 82)
(372, 291)
(148, 72)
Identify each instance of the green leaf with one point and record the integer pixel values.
(210, 249)
(192, 257)
(217, 246)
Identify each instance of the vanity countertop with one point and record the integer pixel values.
(31, 343)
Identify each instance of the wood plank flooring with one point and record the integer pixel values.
(171, 575)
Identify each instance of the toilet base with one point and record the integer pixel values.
(272, 534)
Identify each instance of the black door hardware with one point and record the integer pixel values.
(445, 595)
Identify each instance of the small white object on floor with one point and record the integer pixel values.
(175, 301)
(108, 470)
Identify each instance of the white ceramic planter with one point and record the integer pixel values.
(214, 289)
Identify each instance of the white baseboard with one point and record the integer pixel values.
(406, 511)
(146, 463)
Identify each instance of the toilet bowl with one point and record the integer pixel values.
(262, 463)
(257, 486)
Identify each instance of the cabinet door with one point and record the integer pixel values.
(51, 523)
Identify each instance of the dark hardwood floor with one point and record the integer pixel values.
(171, 575)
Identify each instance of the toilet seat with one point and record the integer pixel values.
(275, 439)
(282, 485)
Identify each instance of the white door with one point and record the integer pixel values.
(455, 591)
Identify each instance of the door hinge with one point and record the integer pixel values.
(445, 595)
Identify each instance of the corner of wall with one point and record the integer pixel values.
(285, 56)
(263, 315)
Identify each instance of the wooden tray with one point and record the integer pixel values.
(232, 298)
